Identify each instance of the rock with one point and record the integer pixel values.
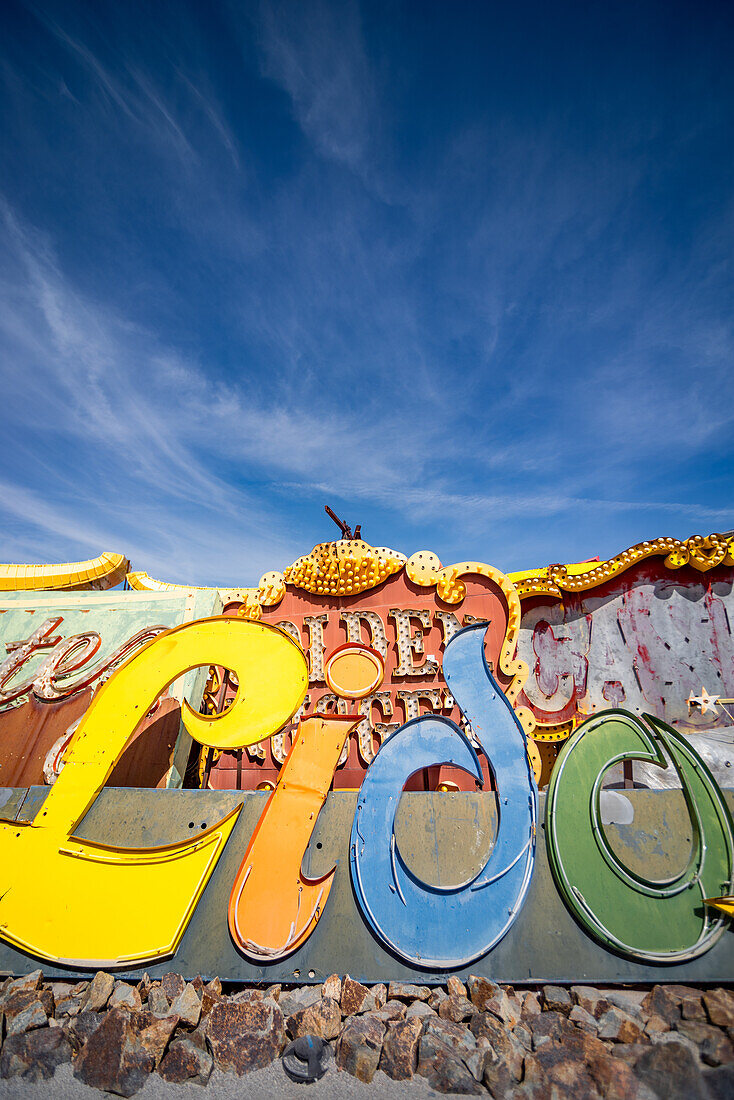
(294, 1000)
(504, 1043)
(34, 1055)
(187, 1006)
(400, 1048)
(671, 1071)
(455, 987)
(564, 1067)
(660, 1002)
(714, 1046)
(679, 1037)
(143, 987)
(476, 1061)
(548, 1026)
(524, 1036)
(68, 1006)
(404, 991)
(441, 1053)
(691, 1007)
(113, 1057)
(26, 1009)
(214, 986)
(244, 996)
(629, 1000)
(273, 992)
(98, 992)
(557, 999)
(719, 1004)
(208, 999)
(629, 1052)
(125, 996)
(495, 1071)
(590, 999)
(359, 1046)
(435, 997)
(82, 1026)
(243, 1037)
(172, 985)
(616, 1080)
(656, 1025)
(508, 1008)
(63, 991)
(454, 1038)
(679, 992)
(332, 987)
(456, 1008)
(186, 1061)
(197, 1036)
(720, 1082)
(448, 1074)
(487, 996)
(481, 990)
(419, 1009)
(356, 998)
(155, 1037)
(620, 1027)
(158, 1002)
(25, 983)
(530, 1005)
(583, 1019)
(379, 992)
(323, 1018)
(392, 1010)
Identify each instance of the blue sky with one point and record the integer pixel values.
(462, 271)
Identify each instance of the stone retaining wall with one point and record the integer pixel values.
(667, 1042)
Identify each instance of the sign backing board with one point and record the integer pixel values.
(441, 835)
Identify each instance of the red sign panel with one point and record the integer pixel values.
(408, 625)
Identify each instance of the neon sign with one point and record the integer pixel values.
(274, 909)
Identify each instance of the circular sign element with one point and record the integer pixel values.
(354, 670)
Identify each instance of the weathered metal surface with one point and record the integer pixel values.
(643, 646)
(643, 918)
(645, 641)
(95, 888)
(544, 944)
(270, 916)
(443, 926)
(50, 676)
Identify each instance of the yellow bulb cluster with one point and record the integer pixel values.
(343, 568)
(702, 552)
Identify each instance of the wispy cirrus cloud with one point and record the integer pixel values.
(316, 52)
(264, 259)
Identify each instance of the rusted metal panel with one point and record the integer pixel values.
(443, 838)
(55, 650)
(645, 641)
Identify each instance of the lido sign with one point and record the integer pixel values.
(77, 903)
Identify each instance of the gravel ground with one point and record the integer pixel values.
(270, 1082)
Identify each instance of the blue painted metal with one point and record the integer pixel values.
(432, 926)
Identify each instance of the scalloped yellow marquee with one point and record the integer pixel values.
(350, 566)
(98, 573)
(346, 567)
